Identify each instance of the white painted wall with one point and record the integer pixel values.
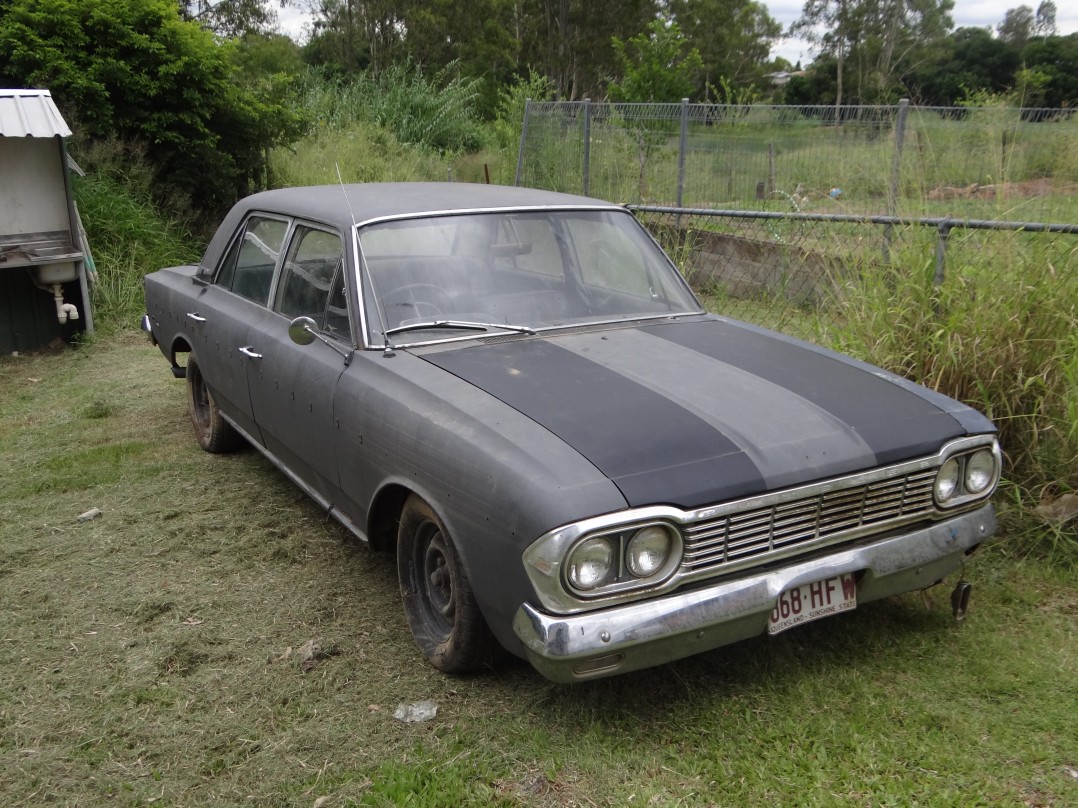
(32, 194)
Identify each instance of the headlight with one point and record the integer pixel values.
(980, 471)
(967, 477)
(648, 550)
(592, 563)
(622, 560)
(947, 480)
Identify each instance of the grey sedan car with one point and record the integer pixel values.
(516, 392)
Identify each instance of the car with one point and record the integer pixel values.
(516, 392)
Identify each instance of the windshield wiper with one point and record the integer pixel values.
(465, 325)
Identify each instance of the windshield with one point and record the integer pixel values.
(525, 270)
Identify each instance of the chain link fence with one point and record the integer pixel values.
(777, 213)
(807, 274)
(964, 162)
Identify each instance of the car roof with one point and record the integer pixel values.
(369, 201)
(379, 200)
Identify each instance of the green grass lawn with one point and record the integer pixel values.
(160, 654)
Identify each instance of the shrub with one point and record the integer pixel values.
(437, 112)
(129, 238)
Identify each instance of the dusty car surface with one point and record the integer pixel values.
(516, 392)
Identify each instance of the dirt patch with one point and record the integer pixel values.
(1002, 190)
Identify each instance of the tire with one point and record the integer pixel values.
(438, 600)
(213, 432)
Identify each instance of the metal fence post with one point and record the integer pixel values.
(523, 141)
(894, 186)
(587, 145)
(683, 146)
(944, 231)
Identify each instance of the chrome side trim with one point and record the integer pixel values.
(570, 648)
(322, 502)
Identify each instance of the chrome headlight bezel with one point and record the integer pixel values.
(966, 476)
(550, 560)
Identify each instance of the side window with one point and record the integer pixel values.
(337, 311)
(312, 276)
(248, 266)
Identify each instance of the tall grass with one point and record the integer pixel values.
(129, 238)
(437, 111)
(998, 333)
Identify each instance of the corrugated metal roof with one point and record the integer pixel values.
(30, 113)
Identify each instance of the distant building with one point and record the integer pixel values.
(782, 77)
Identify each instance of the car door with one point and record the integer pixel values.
(292, 386)
(230, 308)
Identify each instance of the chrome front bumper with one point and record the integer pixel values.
(638, 635)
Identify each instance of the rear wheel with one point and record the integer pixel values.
(438, 600)
(212, 431)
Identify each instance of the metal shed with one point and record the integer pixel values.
(44, 292)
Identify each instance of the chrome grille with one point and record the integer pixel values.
(787, 528)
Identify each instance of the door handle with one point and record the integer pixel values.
(193, 315)
(247, 351)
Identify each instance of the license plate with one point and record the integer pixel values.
(810, 602)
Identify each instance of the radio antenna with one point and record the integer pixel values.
(344, 191)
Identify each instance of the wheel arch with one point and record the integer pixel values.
(180, 345)
(384, 516)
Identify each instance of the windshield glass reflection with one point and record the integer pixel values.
(526, 270)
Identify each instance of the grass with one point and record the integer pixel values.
(159, 653)
(129, 238)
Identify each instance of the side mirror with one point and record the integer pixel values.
(302, 331)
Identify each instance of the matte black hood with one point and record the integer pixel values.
(697, 412)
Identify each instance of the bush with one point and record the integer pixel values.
(437, 112)
(133, 69)
(129, 238)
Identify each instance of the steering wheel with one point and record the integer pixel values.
(425, 299)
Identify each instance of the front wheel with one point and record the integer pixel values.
(438, 600)
(212, 431)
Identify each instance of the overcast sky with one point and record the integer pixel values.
(966, 14)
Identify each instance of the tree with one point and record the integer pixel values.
(477, 37)
(879, 42)
(967, 61)
(1055, 60)
(571, 41)
(734, 38)
(354, 34)
(133, 70)
(1017, 25)
(231, 18)
(657, 65)
(816, 85)
(1044, 25)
